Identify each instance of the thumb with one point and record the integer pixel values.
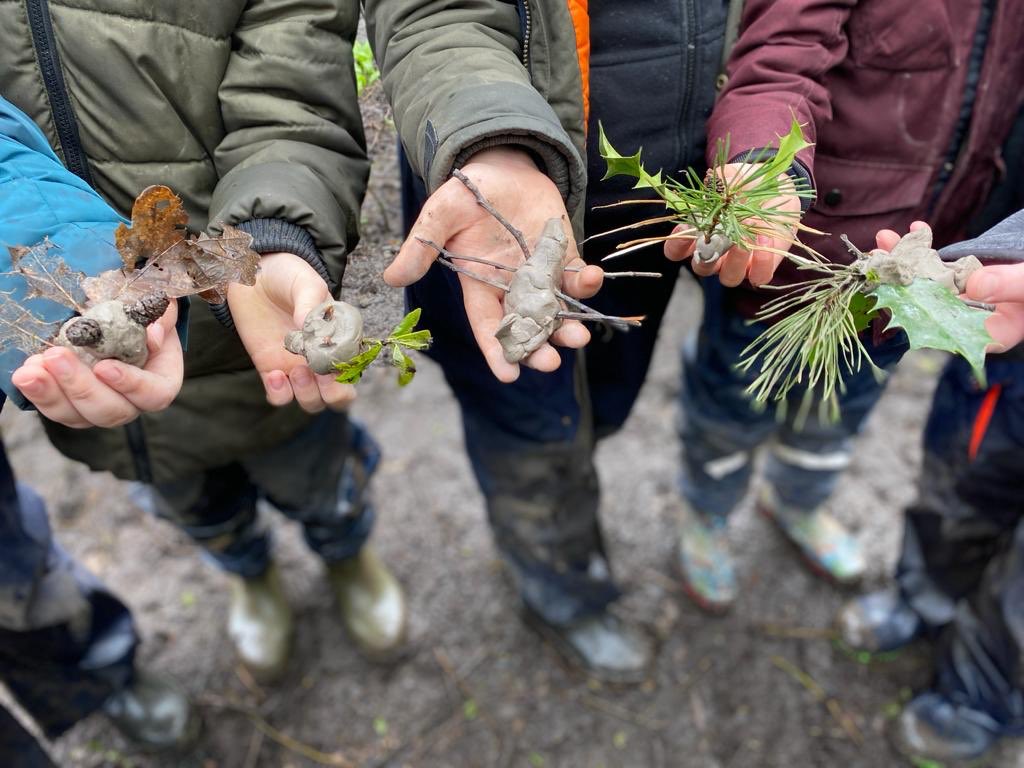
(442, 217)
(308, 291)
(997, 284)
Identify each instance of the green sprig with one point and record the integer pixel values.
(403, 336)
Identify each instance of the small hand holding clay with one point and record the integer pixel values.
(732, 263)
(1001, 285)
(286, 289)
(64, 389)
(453, 219)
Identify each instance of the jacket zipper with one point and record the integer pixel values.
(45, 44)
(691, 65)
(526, 33)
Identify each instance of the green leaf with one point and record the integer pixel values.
(407, 324)
(351, 371)
(366, 68)
(380, 726)
(470, 709)
(619, 165)
(404, 363)
(863, 310)
(934, 317)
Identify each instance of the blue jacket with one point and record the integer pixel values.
(40, 198)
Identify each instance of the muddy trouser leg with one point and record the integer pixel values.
(318, 477)
(965, 563)
(719, 427)
(66, 643)
(811, 450)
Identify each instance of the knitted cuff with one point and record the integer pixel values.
(271, 236)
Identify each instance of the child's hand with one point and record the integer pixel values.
(527, 198)
(1002, 285)
(286, 289)
(759, 265)
(112, 393)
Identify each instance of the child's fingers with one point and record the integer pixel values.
(733, 267)
(586, 282)
(678, 249)
(278, 387)
(442, 217)
(147, 390)
(572, 334)
(484, 311)
(544, 359)
(36, 384)
(97, 403)
(337, 397)
(305, 389)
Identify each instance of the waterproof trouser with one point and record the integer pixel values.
(318, 478)
(66, 643)
(721, 427)
(962, 564)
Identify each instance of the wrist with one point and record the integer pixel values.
(508, 156)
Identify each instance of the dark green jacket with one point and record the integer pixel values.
(455, 75)
(248, 110)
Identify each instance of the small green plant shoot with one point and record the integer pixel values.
(366, 68)
(402, 337)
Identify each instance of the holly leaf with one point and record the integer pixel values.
(404, 363)
(934, 317)
(862, 308)
(627, 165)
(47, 275)
(351, 371)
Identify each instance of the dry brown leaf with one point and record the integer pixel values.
(22, 329)
(158, 222)
(47, 275)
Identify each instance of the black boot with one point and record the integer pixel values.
(154, 715)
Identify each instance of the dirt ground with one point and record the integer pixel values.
(767, 685)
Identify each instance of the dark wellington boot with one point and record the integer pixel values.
(154, 715)
(933, 728)
(878, 622)
(604, 646)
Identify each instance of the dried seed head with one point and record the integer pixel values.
(148, 309)
(84, 332)
(714, 181)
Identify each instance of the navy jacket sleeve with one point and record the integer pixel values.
(40, 198)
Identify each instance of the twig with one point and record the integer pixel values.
(474, 259)
(979, 305)
(819, 694)
(293, 745)
(853, 249)
(484, 203)
(444, 258)
(613, 275)
(796, 633)
(594, 317)
(252, 756)
(621, 713)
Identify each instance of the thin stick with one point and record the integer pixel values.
(614, 275)
(484, 203)
(444, 258)
(474, 259)
(597, 317)
(979, 305)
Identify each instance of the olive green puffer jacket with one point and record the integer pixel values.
(248, 110)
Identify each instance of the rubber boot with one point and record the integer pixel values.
(260, 624)
(154, 715)
(705, 561)
(604, 646)
(879, 622)
(372, 604)
(933, 728)
(824, 544)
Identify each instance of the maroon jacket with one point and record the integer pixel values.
(881, 86)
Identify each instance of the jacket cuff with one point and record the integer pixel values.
(797, 171)
(502, 114)
(271, 236)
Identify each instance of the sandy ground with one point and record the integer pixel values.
(766, 685)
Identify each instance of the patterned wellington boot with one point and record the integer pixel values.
(705, 560)
(824, 544)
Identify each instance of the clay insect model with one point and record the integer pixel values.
(534, 302)
(161, 261)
